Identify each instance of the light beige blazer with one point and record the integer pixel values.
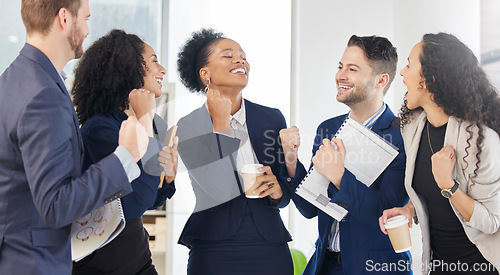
(483, 227)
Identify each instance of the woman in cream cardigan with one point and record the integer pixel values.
(451, 125)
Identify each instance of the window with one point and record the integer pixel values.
(490, 40)
(134, 16)
(12, 32)
(143, 18)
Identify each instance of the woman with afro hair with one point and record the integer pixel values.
(451, 126)
(230, 232)
(117, 77)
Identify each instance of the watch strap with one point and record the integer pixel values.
(455, 187)
(448, 193)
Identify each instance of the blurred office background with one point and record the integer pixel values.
(293, 47)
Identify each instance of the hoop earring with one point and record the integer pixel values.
(208, 85)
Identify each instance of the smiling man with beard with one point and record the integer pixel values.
(365, 72)
(42, 188)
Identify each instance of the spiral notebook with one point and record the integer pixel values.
(367, 156)
(96, 229)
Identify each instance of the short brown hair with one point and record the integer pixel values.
(38, 15)
(381, 54)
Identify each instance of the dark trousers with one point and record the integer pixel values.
(332, 264)
(245, 253)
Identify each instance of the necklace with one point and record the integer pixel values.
(429, 138)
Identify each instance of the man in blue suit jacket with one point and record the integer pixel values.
(353, 245)
(42, 188)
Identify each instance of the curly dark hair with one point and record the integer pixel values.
(194, 55)
(459, 85)
(107, 72)
(380, 52)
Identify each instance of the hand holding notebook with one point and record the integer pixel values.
(367, 156)
(96, 229)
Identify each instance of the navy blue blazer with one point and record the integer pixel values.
(100, 137)
(42, 188)
(362, 244)
(210, 158)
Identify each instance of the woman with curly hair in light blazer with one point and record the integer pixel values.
(451, 127)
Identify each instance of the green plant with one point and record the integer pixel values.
(299, 261)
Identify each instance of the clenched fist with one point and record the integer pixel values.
(143, 106)
(134, 138)
(290, 141)
(443, 163)
(219, 108)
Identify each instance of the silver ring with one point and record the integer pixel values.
(270, 184)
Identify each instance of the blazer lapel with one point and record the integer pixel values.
(452, 128)
(206, 120)
(451, 137)
(255, 129)
(384, 121)
(39, 57)
(412, 134)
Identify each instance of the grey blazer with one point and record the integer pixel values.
(42, 188)
(483, 227)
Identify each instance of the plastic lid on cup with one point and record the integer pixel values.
(251, 168)
(396, 221)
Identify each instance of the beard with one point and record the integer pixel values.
(357, 95)
(76, 42)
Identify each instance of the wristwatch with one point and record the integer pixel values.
(447, 193)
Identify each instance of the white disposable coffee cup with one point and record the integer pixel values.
(250, 172)
(399, 233)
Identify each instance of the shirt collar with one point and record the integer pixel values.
(371, 121)
(61, 74)
(240, 115)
